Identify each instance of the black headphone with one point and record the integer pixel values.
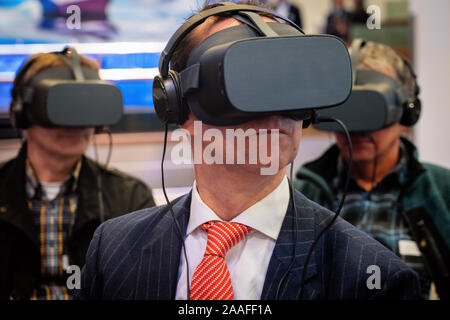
(22, 96)
(18, 112)
(168, 99)
(413, 106)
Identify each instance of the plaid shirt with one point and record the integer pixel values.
(54, 220)
(376, 212)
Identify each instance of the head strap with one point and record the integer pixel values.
(224, 7)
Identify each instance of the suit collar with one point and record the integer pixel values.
(263, 216)
(158, 279)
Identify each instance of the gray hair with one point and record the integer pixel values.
(382, 58)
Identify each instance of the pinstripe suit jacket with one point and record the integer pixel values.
(136, 256)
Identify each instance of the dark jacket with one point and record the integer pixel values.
(137, 257)
(424, 203)
(19, 242)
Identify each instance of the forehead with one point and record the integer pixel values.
(219, 25)
(223, 23)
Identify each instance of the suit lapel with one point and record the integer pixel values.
(284, 251)
(159, 261)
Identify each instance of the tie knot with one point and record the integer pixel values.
(222, 236)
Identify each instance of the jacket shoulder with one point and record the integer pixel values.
(5, 165)
(346, 237)
(112, 173)
(351, 256)
(440, 174)
(430, 189)
(125, 192)
(134, 224)
(441, 177)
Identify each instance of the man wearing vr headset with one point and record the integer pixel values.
(51, 196)
(238, 234)
(399, 201)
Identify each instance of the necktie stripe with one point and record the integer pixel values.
(212, 285)
(225, 238)
(209, 266)
(204, 275)
(218, 243)
(211, 279)
(213, 248)
(225, 295)
(232, 231)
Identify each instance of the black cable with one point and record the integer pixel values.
(283, 278)
(100, 176)
(375, 160)
(188, 294)
(347, 180)
(110, 145)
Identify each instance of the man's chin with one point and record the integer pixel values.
(263, 170)
(71, 148)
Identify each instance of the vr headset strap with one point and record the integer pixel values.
(27, 94)
(356, 46)
(258, 23)
(73, 63)
(246, 21)
(190, 78)
(402, 95)
(194, 21)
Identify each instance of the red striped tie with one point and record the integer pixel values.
(211, 279)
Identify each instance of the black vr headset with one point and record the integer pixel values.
(251, 70)
(66, 96)
(376, 102)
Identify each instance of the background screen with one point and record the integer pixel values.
(125, 37)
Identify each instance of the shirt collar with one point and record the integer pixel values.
(34, 188)
(265, 216)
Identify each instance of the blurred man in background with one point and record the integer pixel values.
(401, 202)
(52, 198)
(338, 21)
(359, 13)
(289, 10)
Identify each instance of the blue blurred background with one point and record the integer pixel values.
(125, 37)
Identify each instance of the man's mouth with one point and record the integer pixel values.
(360, 140)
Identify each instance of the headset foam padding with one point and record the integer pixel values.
(167, 98)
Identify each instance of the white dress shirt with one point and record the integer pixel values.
(249, 259)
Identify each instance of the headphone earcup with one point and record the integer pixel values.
(18, 116)
(167, 98)
(411, 112)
